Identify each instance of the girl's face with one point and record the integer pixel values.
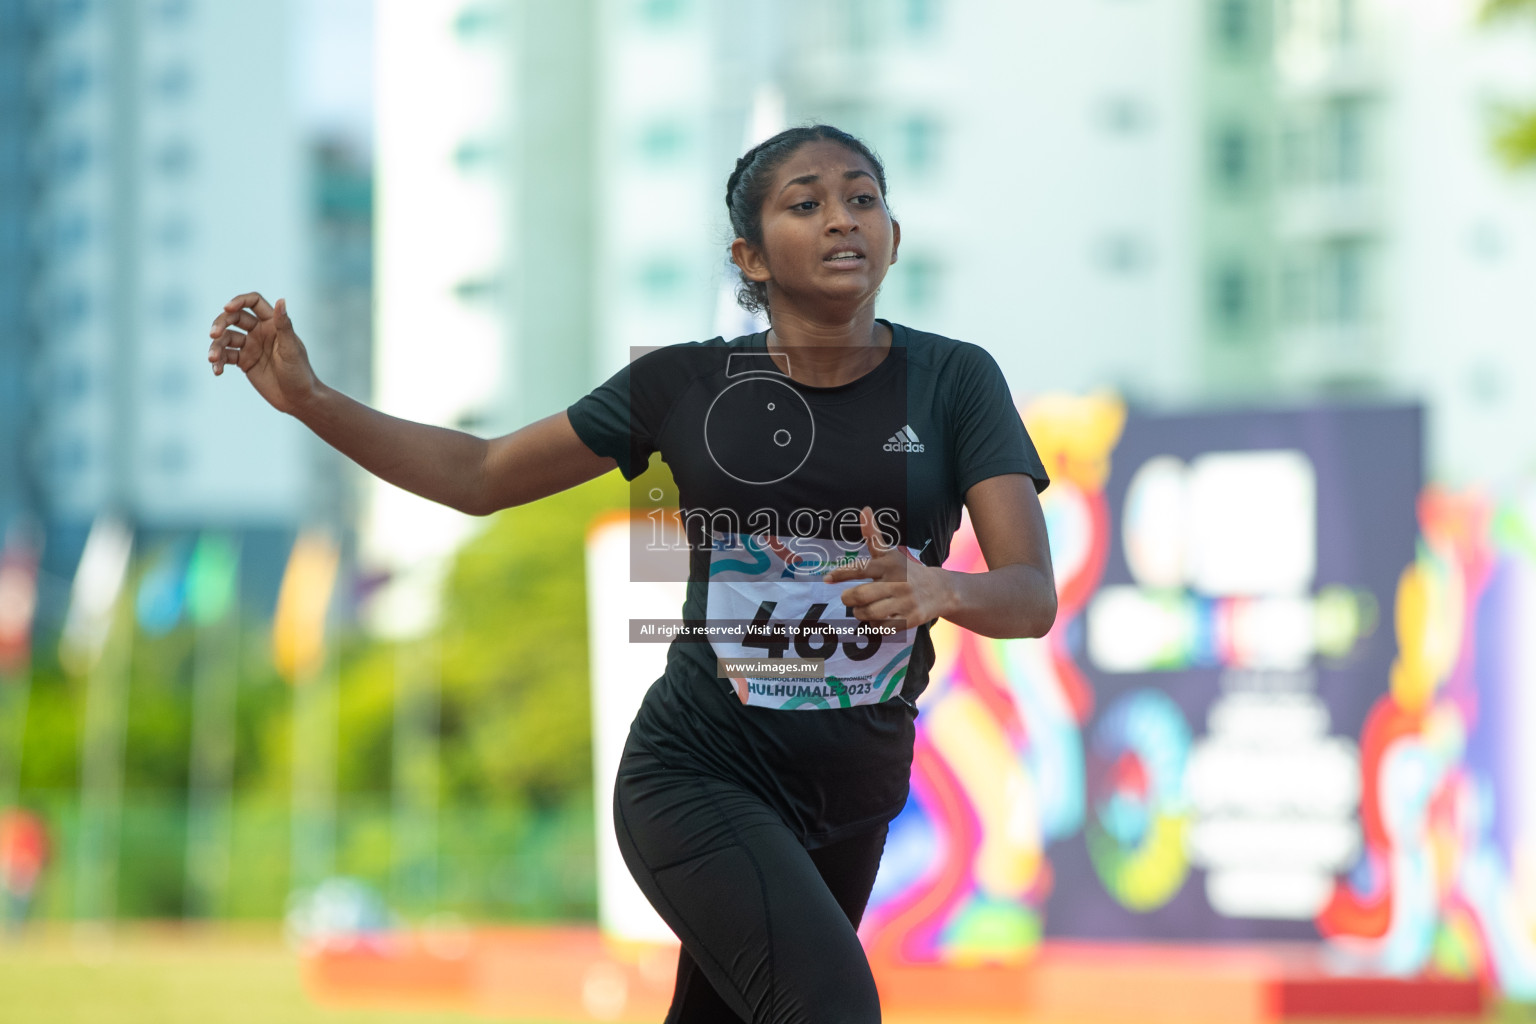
(827, 236)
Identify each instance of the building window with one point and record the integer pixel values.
(922, 16)
(173, 232)
(71, 230)
(474, 290)
(473, 155)
(1346, 132)
(70, 382)
(1125, 115)
(70, 82)
(69, 455)
(1233, 156)
(475, 21)
(71, 305)
(173, 12)
(1234, 23)
(1296, 290)
(661, 12)
(67, 13)
(1486, 241)
(13, 234)
(1295, 154)
(70, 157)
(171, 457)
(920, 142)
(172, 306)
(663, 141)
(661, 278)
(923, 283)
(1285, 17)
(174, 158)
(1123, 253)
(1346, 24)
(1344, 284)
(861, 25)
(1231, 298)
(171, 384)
(172, 82)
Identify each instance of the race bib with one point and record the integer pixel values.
(797, 647)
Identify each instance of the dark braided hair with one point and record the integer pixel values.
(749, 183)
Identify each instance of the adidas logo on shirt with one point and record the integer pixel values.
(904, 440)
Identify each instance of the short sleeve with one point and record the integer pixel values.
(622, 417)
(989, 435)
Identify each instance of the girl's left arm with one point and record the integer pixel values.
(1016, 596)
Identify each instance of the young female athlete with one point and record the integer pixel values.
(821, 468)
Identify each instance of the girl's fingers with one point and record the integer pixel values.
(882, 613)
(227, 349)
(221, 356)
(848, 572)
(240, 318)
(867, 594)
(872, 536)
(252, 301)
(231, 330)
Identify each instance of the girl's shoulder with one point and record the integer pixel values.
(674, 367)
(938, 353)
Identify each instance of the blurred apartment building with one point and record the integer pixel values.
(17, 493)
(1038, 158)
(483, 234)
(147, 179)
(1187, 201)
(551, 184)
(1358, 234)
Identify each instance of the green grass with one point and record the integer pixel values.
(171, 976)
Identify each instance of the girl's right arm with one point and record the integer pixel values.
(465, 472)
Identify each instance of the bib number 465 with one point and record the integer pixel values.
(812, 638)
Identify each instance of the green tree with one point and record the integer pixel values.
(515, 712)
(516, 716)
(1515, 140)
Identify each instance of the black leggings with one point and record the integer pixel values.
(767, 926)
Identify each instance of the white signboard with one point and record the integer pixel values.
(621, 673)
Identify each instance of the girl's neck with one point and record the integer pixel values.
(827, 354)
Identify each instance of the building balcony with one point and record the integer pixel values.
(1330, 357)
(1316, 73)
(1323, 212)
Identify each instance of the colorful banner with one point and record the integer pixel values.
(303, 604)
(1181, 758)
(98, 581)
(213, 577)
(1446, 879)
(162, 594)
(18, 604)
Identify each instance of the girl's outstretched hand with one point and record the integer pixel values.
(253, 335)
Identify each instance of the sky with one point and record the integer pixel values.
(334, 68)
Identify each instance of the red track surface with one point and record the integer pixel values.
(571, 973)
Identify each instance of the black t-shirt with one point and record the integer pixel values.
(755, 453)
